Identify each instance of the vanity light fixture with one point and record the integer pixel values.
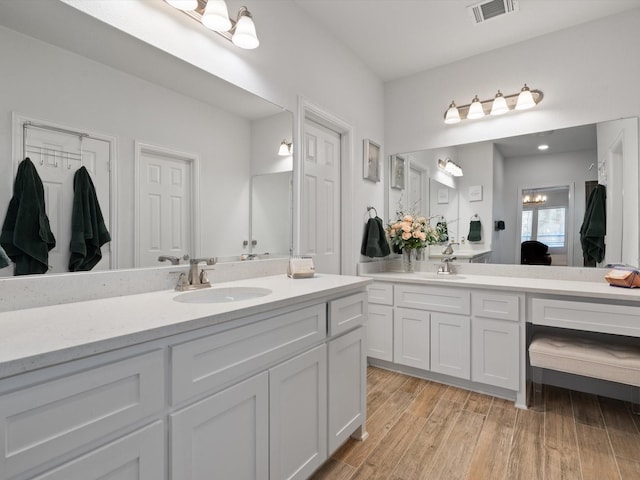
(285, 148)
(447, 166)
(498, 105)
(214, 15)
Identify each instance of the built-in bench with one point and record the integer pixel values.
(604, 359)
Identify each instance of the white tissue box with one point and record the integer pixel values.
(301, 268)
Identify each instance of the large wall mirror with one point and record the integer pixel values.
(151, 108)
(521, 193)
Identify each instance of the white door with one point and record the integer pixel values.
(320, 210)
(57, 156)
(164, 205)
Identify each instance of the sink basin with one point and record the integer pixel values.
(222, 295)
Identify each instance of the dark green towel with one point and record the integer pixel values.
(594, 225)
(475, 231)
(374, 241)
(88, 231)
(26, 235)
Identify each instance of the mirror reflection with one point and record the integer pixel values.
(211, 139)
(520, 193)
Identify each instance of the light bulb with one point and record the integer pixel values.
(525, 99)
(245, 35)
(499, 105)
(285, 149)
(452, 115)
(216, 16)
(475, 109)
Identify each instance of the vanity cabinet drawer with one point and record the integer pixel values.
(347, 313)
(434, 299)
(48, 420)
(210, 363)
(594, 317)
(380, 293)
(496, 305)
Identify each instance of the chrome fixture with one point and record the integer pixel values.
(498, 105)
(214, 15)
(447, 166)
(449, 249)
(196, 279)
(285, 148)
(446, 268)
(172, 259)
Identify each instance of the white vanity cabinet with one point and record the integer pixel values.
(380, 321)
(262, 396)
(455, 331)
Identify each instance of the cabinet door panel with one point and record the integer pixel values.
(139, 456)
(495, 348)
(380, 332)
(411, 338)
(347, 386)
(225, 435)
(451, 345)
(298, 415)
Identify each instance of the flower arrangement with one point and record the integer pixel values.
(411, 231)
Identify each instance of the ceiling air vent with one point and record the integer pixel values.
(483, 11)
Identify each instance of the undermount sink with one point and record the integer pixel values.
(222, 295)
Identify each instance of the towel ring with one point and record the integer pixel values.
(369, 208)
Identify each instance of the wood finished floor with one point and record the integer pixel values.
(424, 430)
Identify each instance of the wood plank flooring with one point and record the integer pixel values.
(421, 430)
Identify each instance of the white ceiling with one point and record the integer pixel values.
(397, 38)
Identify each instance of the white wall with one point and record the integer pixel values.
(587, 74)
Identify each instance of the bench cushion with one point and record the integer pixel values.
(591, 358)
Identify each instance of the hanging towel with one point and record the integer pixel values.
(26, 235)
(88, 231)
(475, 231)
(5, 261)
(594, 225)
(374, 240)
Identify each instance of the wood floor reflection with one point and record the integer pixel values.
(424, 430)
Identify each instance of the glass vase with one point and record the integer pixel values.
(408, 264)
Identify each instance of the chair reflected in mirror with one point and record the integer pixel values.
(533, 252)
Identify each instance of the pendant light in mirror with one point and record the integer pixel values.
(499, 105)
(285, 148)
(214, 15)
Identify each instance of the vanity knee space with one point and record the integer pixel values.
(456, 335)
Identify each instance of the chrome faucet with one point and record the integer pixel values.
(449, 249)
(195, 279)
(446, 268)
(173, 260)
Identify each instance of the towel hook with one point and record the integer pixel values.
(369, 208)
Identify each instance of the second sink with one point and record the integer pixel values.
(222, 295)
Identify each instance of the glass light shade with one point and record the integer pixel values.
(216, 16)
(475, 109)
(452, 115)
(285, 149)
(525, 99)
(183, 4)
(245, 33)
(499, 105)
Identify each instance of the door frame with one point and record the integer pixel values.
(311, 111)
(141, 148)
(17, 153)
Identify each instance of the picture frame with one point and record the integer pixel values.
(371, 161)
(475, 193)
(443, 195)
(397, 173)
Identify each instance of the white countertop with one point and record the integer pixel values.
(38, 337)
(594, 290)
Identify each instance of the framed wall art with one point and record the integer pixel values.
(371, 161)
(397, 172)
